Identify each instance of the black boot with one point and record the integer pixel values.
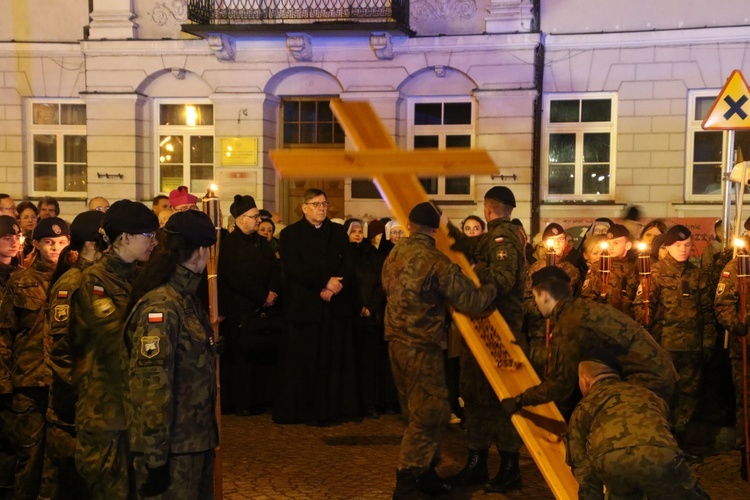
(432, 484)
(406, 486)
(475, 470)
(508, 478)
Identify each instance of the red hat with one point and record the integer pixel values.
(181, 196)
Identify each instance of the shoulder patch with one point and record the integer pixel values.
(640, 290)
(502, 255)
(62, 294)
(725, 274)
(149, 347)
(499, 240)
(61, 313)
(98, 290)
(720, 289)
(103, 307)
(156, 317)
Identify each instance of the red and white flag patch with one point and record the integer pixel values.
(98, 290)
(499, 240)
(62, 294)
(725, 274)
(156, 317)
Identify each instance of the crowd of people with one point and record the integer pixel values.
(108, 358)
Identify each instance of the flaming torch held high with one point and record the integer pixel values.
(644, 273)
(605, 269)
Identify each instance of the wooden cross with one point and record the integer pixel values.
(493, 344)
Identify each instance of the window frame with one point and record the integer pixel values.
(60, 131)
(579, 128)
(183, 131)
(309, 98)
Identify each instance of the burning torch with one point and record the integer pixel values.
(644, 273)
(605, 269)
(550, 262)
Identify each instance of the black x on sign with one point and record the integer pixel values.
(731, 111)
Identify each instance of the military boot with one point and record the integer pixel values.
(432, 484)
(508, 478)
(406, 486)
(475, 470)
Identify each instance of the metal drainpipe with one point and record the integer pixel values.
(536, 169)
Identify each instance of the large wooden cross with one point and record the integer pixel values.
(395, 174)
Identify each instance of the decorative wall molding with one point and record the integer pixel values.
(509, 16)
(222, 45)
(300, 45)
(382, 44)
(164, 15)
(423, 10)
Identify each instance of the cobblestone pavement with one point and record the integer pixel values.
(357, 460)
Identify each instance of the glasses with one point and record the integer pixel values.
(150, 235)
(101, 209)
(256, 216)
(318, 204)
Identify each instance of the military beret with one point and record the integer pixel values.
(603, 356)
(656, 244)
(746, 225)
(194, 225)
(241, 205)
(553, 229)
(125, 216)
(85, 227)
(501, 194)
(548, 273)
(425, 214)
(617, 231)
(181, 196)
(675, 234)
(8, 226)
(50, 227)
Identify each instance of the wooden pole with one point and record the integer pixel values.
(743, 272)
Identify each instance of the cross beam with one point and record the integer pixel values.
(490, 340)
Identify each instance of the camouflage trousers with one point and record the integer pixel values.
(420, 380)
(191, 476)
(103, 461)
(486, 422)
(29, 408)
(654, 471)
(685, 397)
(739, 406)
(60, 464)
(7, 446)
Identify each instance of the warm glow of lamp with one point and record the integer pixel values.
(550, 243)
(604, 245)
(191, 116)
(739, 243)
(642, 247)
(213, 187)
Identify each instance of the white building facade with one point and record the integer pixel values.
(584, 106)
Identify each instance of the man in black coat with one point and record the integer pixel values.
(249, 284)
(317, 384)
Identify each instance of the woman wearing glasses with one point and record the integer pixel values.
(98, 314)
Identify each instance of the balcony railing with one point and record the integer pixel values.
(265, 12)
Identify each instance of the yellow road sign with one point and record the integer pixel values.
(731, 111)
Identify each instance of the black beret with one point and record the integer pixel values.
(553, 229)
(125, 216)
(241, 205)
(85, 227)
(194, 225)
(746, 225)
(656, 244)
(603, 356)
(675, 234)
(425, 214)
(502, 194)
(8, 226)
(50, 227)
(548, 273)
(617, 231)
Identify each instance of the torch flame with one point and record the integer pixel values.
(604, 245)
(739, 243)
(642, 247)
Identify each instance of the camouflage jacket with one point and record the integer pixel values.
(501, 250)
(62, 393)
(614, 415)
(621, 287)
(536, 325)
(171, 372)
(727, 305)
(22, 361)
(577, 326)
(98, 315)
(5, 271)
(420, 282)
(680, 306)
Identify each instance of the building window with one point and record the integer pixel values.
(186, 145)
(579, 146)
(706, 150)
(310, 122)
(58, 148)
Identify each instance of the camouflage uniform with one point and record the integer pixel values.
(23, 370)
(7, 440)
(59, 452)
(98, 315)
(682, 322)
(726, 306)
(419, 282)
(536, 325)
(501, 250)
(171, 387)
(579, 325)
(622, 285)
(619, 437)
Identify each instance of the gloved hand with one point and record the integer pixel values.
(157, 482)
(511, 405)
(740, 329)
(219, 345)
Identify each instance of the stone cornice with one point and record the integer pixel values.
(700, 36)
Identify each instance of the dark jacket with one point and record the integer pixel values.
(368, 267)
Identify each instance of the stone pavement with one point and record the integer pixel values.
(357, 460)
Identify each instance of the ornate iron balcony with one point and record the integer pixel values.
(326, 12)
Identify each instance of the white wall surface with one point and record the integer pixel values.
(43, 20)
